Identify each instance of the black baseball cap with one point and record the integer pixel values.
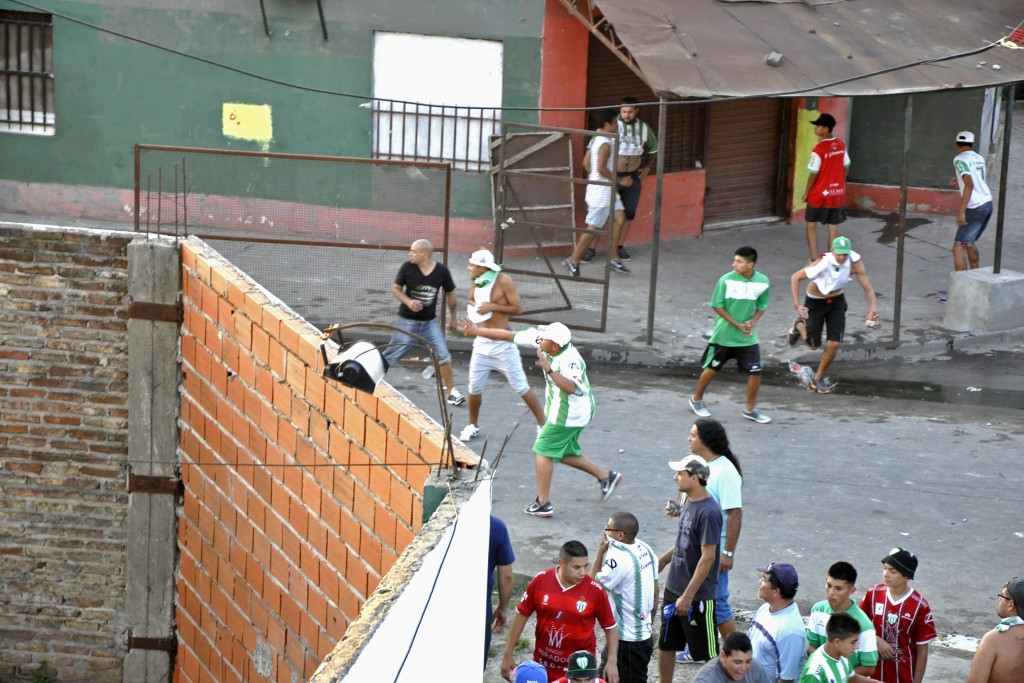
(582, 664)
(826, 120)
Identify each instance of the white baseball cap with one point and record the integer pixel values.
(556, 332)
(484, 258)
(965, 136)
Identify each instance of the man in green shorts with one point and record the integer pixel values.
(568, 408)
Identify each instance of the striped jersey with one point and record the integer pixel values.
(821, 668)
(866, 653)
(635, 138)
(904, 624)
(562, 409)
(628, 574)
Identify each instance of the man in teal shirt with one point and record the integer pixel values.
(740, 299)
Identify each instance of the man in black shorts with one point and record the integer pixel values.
(692, 581)
(825, 305)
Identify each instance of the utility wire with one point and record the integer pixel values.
(370, 98)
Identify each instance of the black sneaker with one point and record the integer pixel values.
(618, 266)
(538, 510)
(623, 254)
(608, 485)
(572, 266)
(793, 336)
(588, 255)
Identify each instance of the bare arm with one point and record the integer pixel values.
(602, 162)
(965, 197)
(984, 659)
(452, 303)
(398, 291)
(794, 285)
(504, 593)
(470, 329)
(611, 669)
(861, 273)
(514, 631)
(504, 289)
(664, 559)
(920, 662)
(732, 536)
(700, 572)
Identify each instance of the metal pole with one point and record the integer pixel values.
(908, 117)
(1004, 166)
(659, 169)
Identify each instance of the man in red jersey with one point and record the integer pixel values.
(903, 621)
(825, 194)
(567, 602)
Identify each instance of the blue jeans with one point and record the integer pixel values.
(401, 344)
(977, 221)
(723, 610)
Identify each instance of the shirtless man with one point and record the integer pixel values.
(1000, 654)
(492, 299)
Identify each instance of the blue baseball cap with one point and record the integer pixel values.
(531, 672)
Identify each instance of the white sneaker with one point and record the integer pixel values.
(456, 398)
(468, 433)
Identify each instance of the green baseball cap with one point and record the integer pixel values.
(841, 245)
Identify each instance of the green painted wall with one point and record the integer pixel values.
(112, 93)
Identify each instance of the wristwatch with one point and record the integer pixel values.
(728, 553)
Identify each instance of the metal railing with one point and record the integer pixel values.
(427, 132)
(26, 73)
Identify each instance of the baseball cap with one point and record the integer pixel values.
(784, 573)
(965, 136)
(531, 672)
(484, 258)
(902, 560)
(556, 332)
(694, 464)
(1015, 587)
(841, 245)
(826, 120)
(582, 664)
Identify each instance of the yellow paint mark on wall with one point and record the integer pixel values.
(248, 122)
(805, 142)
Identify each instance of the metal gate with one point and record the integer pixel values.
(538, 185)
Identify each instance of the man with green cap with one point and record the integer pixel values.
(824, 305)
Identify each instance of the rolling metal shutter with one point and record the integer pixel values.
(742, 158)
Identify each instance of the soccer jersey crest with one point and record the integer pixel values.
(893, 618)
(581, 605)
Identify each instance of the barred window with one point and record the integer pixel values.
(422, 86)
(26, 73)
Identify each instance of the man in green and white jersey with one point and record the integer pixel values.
(830, 663)
(740, 299)
(568, 408)
(840, 585)
(628, 570)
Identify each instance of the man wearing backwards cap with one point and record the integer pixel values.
(903, 621)
(777, 630)
(1000, 654)
(568, 409)
(825, 194)
(975, 208)
(688, 619)
(492, 299)
(824, 306)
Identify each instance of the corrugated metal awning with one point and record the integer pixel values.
(717, 48)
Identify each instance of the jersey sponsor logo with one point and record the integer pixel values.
(581, 605)
(544, 600)
(556, 636)
(612, 564)
(558, 617)
(879, 609)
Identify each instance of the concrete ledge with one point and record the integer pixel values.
(984, 301)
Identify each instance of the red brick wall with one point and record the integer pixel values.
(299, 493)
(63, 449)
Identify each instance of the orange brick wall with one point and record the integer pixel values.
(299, 493)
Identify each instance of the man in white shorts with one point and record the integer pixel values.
(492, 299)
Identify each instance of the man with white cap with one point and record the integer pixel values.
(975, 207)
(1000, 654)
(569, 408)
(688, 618)
(492, 299)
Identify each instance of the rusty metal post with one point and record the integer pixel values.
(652, 290)
(1004, 168)
(908, 118)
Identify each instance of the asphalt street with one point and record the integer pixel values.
(933, 466)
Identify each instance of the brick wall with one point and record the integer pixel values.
(299, 493)
(63, 448)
